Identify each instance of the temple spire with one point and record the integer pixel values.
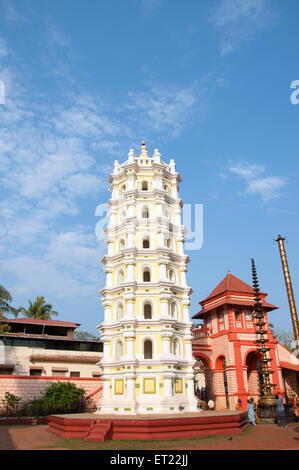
(143, 151)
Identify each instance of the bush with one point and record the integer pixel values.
(63, 397)
(10, 403)
(35, 408)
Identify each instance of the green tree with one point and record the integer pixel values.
(85, 336)
(5, 299)
(39, 309)
(5, 307)
(286, 338)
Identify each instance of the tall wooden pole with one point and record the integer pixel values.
(288, 283)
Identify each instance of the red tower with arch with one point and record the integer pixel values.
(225, 344)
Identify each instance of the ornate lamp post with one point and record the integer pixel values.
(267, 404)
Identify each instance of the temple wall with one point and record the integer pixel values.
(29, 388)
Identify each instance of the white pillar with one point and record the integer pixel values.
(108, 272)
(131, 272)
(131, 239)
(163, 271)
(167, 386)
(107, 311)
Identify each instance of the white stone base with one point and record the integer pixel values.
(149, 406)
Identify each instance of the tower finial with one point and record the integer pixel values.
(143, 151)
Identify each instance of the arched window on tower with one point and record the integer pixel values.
(120, 311)
(174, 310)
(121, 244)
(122, 189)
(146, 276)
(121, 276)
(145, 213)
(147, 311)
(123, 216)
(176, 348)
(238, 316)
(118, 350)
(144, 186)
(168, 242)
(145, 243)
(172, 276)
(148, 349)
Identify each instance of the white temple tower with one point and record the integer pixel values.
(147, 365)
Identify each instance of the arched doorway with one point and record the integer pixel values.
(203, 378)
(222, 382)
(254, 374)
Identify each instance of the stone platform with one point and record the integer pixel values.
(92, 427)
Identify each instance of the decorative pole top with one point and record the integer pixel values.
(143, 152)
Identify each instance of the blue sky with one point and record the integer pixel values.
(208, 83)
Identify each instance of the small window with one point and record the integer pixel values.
(145, 213)
(36, 372)
(121, 244)
(146, 276)
(144, 186)
(168, 243)
(6, 371)
(96, 374)
(147, 312)
(248, 315)
(145, 243)
(74, 374)
(120, 311)
(176, 348)
(172, 276)
(119, 350)
(238, 314)
(221, 316)
(148, 349)
(121, 276)
(174, 310)
(59, 373)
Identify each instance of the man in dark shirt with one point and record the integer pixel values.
(282, 419)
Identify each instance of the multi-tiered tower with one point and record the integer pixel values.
(147, 365)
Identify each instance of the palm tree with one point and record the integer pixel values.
(39, 309)
(5, 299)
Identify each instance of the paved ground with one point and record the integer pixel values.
(263, 436)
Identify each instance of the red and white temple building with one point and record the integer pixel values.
(226, 349)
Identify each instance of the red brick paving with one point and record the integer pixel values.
(262, 437)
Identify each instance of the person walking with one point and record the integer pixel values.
(211, 404)
(257, 419)
(239, 405)
(251, 413)
(295, 408)
(282, 419)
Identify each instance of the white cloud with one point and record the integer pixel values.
(10, 14)
(3, 47)
(150, 6)
(246, 169)
(268, 187)
(238, 21)
(168, 109)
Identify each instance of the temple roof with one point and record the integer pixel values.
(230, 283)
